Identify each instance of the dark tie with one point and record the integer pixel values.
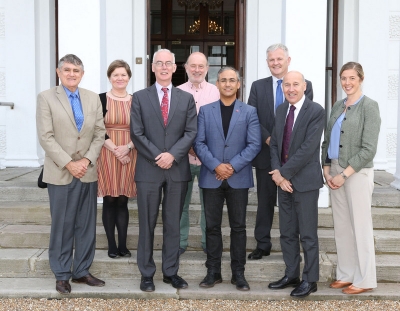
(77, 110)
(287, 133)
(278, 95)
(164, 105)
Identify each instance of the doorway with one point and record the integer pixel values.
(187, 26)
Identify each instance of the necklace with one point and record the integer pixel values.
(119, 96)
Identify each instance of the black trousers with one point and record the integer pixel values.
(266, 196)
(236, 201)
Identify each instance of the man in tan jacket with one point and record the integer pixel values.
(71, 131)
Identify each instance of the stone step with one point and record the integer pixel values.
(33, 212)
(37, 288)
(34, 263)
(37, 236)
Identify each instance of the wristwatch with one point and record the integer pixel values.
(129, 147)
(343, 175)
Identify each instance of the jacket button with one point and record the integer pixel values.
(340, 146)
(79, 138)
(344, 119)
(349, 108)
(226, 146)
(342, 132)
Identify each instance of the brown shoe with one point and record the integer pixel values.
(63, 287)
(89, 280)
(352, 290)
(339, 284)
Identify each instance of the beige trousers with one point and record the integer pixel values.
(354, 236)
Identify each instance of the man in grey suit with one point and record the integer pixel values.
(227, 141)
(296, 170)
(266, 94)
(163, 127)
(71, 131)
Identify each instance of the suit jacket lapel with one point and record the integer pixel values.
(269, 98)
(62, 97)
(155, 102)
(280, 126)
(299, 118)
(175, 96)
(237, 110)
(217, 117)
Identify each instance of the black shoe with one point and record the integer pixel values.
(175, 280)
(63, 287)
(113, 255)
(284, 282)
(304, 289)
(147, 284)
(181, 250)
(239, 280)
(126, 253)
(258, 253)
(90, 280)
(211, 279)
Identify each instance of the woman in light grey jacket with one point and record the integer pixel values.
(350, 144)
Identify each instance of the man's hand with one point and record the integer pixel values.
(192, 153)
(286, 186)
(165, 160)
(223, 171)
(276, 177)
(268, 140)
(78, 168)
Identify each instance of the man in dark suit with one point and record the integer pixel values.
(70, 128)
(163, 127)
(296, 170)
(227, 141)
(266, 94)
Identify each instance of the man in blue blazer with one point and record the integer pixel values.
(228, 139)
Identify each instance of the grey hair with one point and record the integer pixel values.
(164, 50)
(277, 46)
(71, 59)
(228, 68)
(198, 53)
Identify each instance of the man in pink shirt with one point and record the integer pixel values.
(204, 93)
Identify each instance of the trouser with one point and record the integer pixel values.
(354, 235)
(236, 201)
(73, 209)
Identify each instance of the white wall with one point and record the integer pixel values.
(25, 63)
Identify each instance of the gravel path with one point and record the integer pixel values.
(85, 304)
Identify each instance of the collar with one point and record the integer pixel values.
(159, 87)
(202, 85)
(69, 92)
(275, 79)
(299, 104)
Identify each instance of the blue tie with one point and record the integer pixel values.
(77, 110)
(279, 95)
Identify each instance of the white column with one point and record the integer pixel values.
(27, 69)
(304, 33)
(139, 45)
(396, 182)
(370, 36)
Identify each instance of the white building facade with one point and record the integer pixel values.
(100, 31)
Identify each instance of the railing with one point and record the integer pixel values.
(11, 105)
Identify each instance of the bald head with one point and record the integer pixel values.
(196, 68)
(294, 86)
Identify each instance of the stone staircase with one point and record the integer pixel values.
(24, 238)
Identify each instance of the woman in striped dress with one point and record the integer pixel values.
(117, 160)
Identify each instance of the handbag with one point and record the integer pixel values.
(40, 182)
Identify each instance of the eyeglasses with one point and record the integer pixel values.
(226, 81)
(160, 64)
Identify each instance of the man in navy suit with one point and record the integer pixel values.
(296, 170)
(266, 95)
(228, 139)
